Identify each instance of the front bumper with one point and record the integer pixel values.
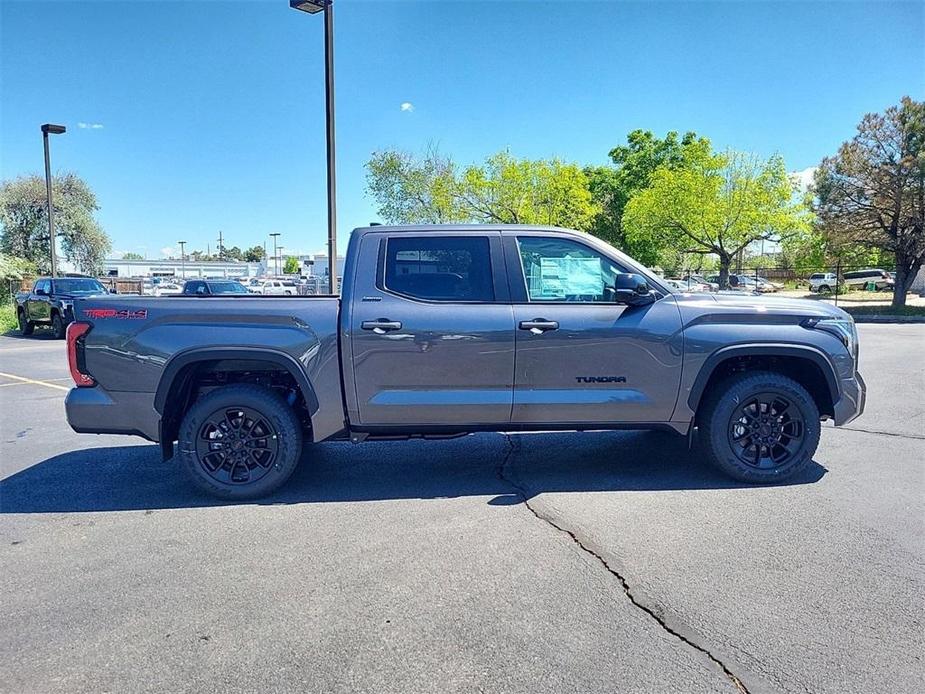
(853, 398)
(98, 411)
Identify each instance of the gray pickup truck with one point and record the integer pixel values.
(445, 330)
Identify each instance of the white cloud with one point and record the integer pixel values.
(803, 179)
(90, 126)
(407, 106)
(168, 251)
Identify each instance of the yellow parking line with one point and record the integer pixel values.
(32, 381)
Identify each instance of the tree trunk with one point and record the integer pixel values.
(724, 262)
(906, 271)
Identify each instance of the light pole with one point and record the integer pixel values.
(50, 128)
(279, 259)
(275, 234)
(182, 258)
(313, 7)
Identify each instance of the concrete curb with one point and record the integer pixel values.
(877, 318)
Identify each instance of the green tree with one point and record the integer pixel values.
(414, 190)
(633, 164)
(234, 253)
(714, 204)
(872, 193)
(132, 256)
(24, 218)
(504, 189)
(13, 269)
(254, 254)
(291, 266)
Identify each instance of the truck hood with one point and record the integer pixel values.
(763, 304)
(80, 295)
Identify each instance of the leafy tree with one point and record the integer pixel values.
(714, 204)
(291, 266)
(873, 191)
(504, 189)
(633, 165)
(24, 218)
(11, 270)
(412, 190)
(234, 253)
(254, 254)
(132, 256)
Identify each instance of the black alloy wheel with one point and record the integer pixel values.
(766, 431)
(237, 445)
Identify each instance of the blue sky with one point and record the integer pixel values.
(209, 115)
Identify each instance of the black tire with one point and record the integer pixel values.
(825, 289)
(269, 433)
(759, 427)
(26, 327)
(58, 326)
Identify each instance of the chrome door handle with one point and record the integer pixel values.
(538, 326)
(381, 326)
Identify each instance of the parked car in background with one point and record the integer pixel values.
(713, 286)
(688, 285)
(275, 287)
(167, 289)
(766, 285)
(860, 279)
(823, 282)
(51, 302)
(212, 287)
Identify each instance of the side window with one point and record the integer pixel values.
(45, 286)
(191, 287)
(439, 268)
(564, 270)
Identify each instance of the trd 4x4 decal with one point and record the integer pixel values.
(137, 314)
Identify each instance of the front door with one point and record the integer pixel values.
(581, 357)
(432, 331)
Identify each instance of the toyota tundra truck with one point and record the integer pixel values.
(447, 330)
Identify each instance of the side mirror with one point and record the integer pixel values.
(41, 292)
(201, 291)
(632, 289)
(113, 291)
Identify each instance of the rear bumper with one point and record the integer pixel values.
(850, 405)
(97, 411)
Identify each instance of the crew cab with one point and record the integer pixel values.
(51, 302)
(445, 330)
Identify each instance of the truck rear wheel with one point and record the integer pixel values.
(759, 427)
(26, 327)
(240, 441)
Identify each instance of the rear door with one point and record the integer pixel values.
(431, 330)
(38, 306)
(581, 357)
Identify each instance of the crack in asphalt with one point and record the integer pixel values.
(883, 433)
(513, 447)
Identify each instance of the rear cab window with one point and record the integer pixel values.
(438, 268)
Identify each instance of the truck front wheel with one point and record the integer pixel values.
(759, 427)
(240, 441)
(58, 326)
(26, 327)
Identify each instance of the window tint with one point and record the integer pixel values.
(191, 287)
(563, 270)
(439, 268)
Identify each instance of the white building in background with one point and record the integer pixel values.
(119, 267)
(312, 265)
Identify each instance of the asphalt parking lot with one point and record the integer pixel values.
(595, 562)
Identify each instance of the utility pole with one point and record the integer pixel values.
(182, 258)
(54, 130)
(275, 234)
(221, 246)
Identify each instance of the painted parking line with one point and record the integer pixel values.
(33, 381)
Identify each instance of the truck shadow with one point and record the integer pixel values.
(134, 477)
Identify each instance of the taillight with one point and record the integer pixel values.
(75, 331)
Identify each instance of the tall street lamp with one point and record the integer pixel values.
(313, 7)
(49, 128)
(275, 234)
(279, 260)
(182, 245)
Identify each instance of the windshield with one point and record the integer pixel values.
(78, 286)
(227, 288)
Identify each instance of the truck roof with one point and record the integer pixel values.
(460, 228)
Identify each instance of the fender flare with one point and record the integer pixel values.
(763, 350)
(200, 354)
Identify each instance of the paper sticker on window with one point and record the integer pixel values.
(564, 277)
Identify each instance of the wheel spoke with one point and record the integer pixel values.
(236, 445)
